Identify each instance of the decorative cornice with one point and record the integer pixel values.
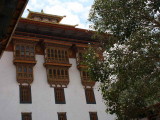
(57, 64)
(33, 62)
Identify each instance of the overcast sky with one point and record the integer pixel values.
(76, 11)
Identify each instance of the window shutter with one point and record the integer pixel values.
(25, 94)
(90, 98)
(59, 95)
(93, 116)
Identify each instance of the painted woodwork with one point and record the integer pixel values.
(86, 79)
(90, 98)
(57, 64)
(80, 56)
(53, 37)
(24, 50)
(58, 75)
(24, 59)
(25, 94)
(56, 55)
(24, 73)
(59, 95)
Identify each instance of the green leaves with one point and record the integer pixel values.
(130, 71)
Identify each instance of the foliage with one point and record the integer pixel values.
(130, 71)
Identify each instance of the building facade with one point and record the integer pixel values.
(43, 76)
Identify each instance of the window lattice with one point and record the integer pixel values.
(90, 98)
(25, 94)
(24, 71)
(25, 52)
(58, 74)
(85, 76)
(57, 55)
(59, 95)
(80, 57)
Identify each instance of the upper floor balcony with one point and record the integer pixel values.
(56, 56)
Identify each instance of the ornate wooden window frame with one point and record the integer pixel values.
(58, 76)
(24, 73)
(90, 97)
(85, 79)
(93, 115)
(25, 49)
(79, 57)
(59, 95)
(57, 55)
(25, 94)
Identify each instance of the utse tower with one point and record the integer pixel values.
(42, 76)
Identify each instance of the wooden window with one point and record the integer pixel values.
(58, 74)
(26, 116)
(59, 95)
(80, 57)
(85, 76)
(62, 116)
(25, 94)
(25, 52)
(24, 73)
(93, 116)
(90, 98)
(58, 55)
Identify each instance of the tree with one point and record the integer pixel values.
(129, 35)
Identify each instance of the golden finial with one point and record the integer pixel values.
(28, 10)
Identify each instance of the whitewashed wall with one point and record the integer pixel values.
(43, 105)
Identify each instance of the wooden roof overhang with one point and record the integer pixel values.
(59, 31)
(52, 39)
(10, 13)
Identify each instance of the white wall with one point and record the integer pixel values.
(43, 105)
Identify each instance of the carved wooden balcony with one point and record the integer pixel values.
(58, 75)
(56, 54)
(28, 58)
(53, 60)
(24, 78)
(24, 73)
(80, 60)
(88, 82)
(86, 79)
(58, 81)
(24, 51)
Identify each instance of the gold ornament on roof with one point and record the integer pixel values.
(42, 11)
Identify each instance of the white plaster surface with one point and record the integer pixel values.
(43, 105)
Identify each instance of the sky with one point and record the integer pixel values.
(76, 11)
